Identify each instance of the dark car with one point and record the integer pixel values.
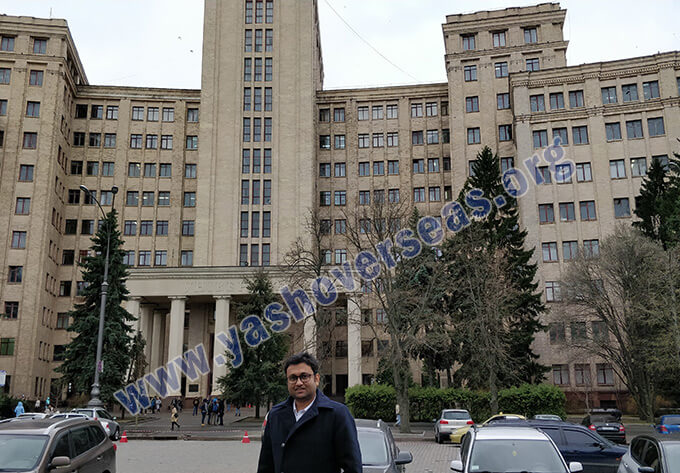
(607, 423)
(379, 452)
(46, 445)
(651, 455)
(577, 443)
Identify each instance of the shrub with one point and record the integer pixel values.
(372, 402)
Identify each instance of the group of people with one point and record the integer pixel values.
(45, 407)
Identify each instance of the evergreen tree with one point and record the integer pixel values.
(260, 379)
(79, 359)
(500, 230)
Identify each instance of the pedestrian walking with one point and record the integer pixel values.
(159, 404)
(196, 403)
(37, 405)
(308, 432)
(396, 411)
(19, 409)
(204, 411)
(174, 418)
(237, 408)
(220, 411)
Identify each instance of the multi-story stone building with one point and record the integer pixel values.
(216, 181)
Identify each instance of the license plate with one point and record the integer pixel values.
(609, 429)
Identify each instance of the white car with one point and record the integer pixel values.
(510, 449)
(648, 454)
(73, 415)
(450, 420)
(102, 415)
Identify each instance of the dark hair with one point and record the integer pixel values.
(303, 357)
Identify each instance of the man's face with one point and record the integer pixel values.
(302, 391)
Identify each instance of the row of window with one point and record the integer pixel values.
(389, 111)
(258, 69)
(256, 160)
(256, 258)
(263, 11)
(251, 223)
(264, 186)
(160, 258)
(391, 139)
(87, 227)
(255, 100)
(30, 140)
(39, 44)
(153, 114)
(570, 250)
(340, 169)
(498, 38)
(264, 40)
(257, 134)
(546, 212)
(393, 196)
(500, 69)
(107, 168)
(582, 374)
(609, 96)
(35, 77)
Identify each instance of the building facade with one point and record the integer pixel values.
(217, 181)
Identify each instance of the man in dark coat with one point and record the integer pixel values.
(308, 432)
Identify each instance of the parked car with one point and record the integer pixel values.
(651, 455)
(457, 434)
(510, 448)
(379, 452)
(578, 443)
(108, 421)
(668, 424)
(32, 415)
(547, 417)
(607, 423)
(42, 445)
(450, 420)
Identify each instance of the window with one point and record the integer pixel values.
(247, 99)
(110, 140)
(134, 169)
(617, 169)
(567, 212)
(582, 375)
(6, 346)
(552, 291)
(472, 104)
(36, 78)
(189, 199)
(340, 256)
(588, 210)
(580, 135)
(473, 136)
(7, 43)
(76, 168)
(187, 228)
(504, 132)
(26, 173)
(546, 213)
(557, 333)
(431, 109)
(92, 168)
(583, 172)
(533, 65)
(192, 115)
(258, 41)
(630, 93)
(340, 197)
(416, 110)
(569, 250)
(549, 252)
(609, 95)
(257, 76)
(248, 70)
(339, 141)
(537, 103)
(377, 111)
(501, 69)
(600, 331)
(662, 159)
(71, 227)
(160, 258)
(364, 140)
(15, 274)
(591, 248)
(96, 140)
(392, 111)
(634, 129)
(418, 194)
(621, 207)
(417, 138)
(163, 198)
(23, 206)
(19, 239)
(168, 114)
(435, 194)
(146, 228)
(393, 196)
(32, 109)
(324, 198)
(130, 228)
(540, 138)
(30, 140)
(613, 131)
(324, 169)
(498, 39)
(3, 107)
(432, 137)
(5, 74)
(650, 90)
(418, 166)
(530, 35)
(340, 227)
(338, 114)
(560, 374)
(362, 113)
(144, 258)
(556, 101)
(605, 374)
(378, 168)
(392, 139)
(656, 126)
(470, 73)
(78, 138)
(151, 141)
(187, 258)
(192, 142)
(562, 134)
(325, 141)
(638, 167)
(506, 163)
(39, 45)
(136, 141)
(576, 99)
(378, 140)
(393, 168)
(148, 198)
(132, 198)
(190, 171)
(138, 113)
(243, 255)
(468, 42)
(433, 165)
(74, 196)
(165, 170)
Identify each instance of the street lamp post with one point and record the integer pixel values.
(94, 394)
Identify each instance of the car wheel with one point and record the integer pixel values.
(116, 434)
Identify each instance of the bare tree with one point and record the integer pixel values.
(624, 289)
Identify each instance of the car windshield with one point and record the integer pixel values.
(672, 452)
(87, 412)
(671, 420)
(509, 456)
(452, 415)
(603, 418)
(373, 448)
(21, 452)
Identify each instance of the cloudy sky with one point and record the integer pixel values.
(157, 43)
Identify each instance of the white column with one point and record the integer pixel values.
(353, 340)
(176, 338)
(222, 306)
(145, 326)
(309, 336)
(156, 342)
(132, 306)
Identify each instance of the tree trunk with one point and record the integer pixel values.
(493, 390)
(401, 391)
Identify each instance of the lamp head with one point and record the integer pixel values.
(114, 190)
(84, 189)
